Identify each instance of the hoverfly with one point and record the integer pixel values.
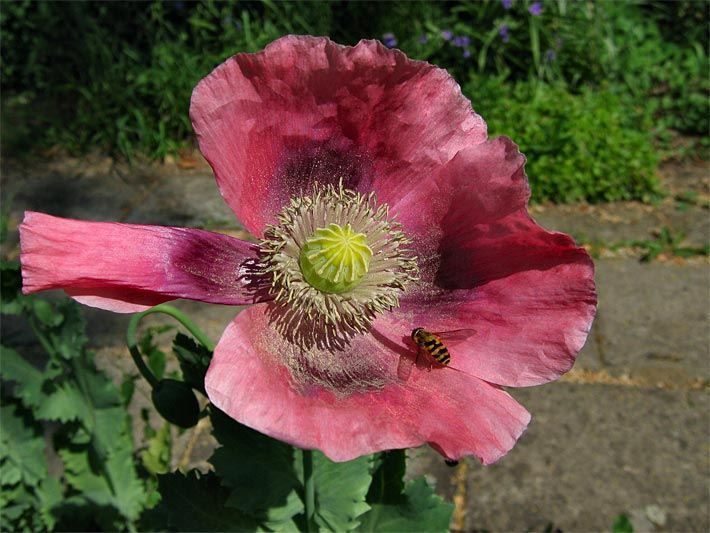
(432, 350)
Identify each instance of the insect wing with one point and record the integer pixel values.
(404, 367)
(455, 336)
(406, 363)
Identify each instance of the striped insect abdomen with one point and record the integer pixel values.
(437, 350)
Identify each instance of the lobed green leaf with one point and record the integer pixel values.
(21, 448)
(156, 459)
(259, 470)
(420, 510)
(340, 490)
(195, 502)
(110, 482)
(27, 378)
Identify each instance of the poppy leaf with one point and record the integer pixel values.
(340, 490)
(195, 502)
(258, 470)
(420, 510)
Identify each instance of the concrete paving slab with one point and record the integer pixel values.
(653, 319)
(83, 189)
(688, 175)
(184, 199)
(590, 358)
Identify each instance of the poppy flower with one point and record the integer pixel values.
(380, 205)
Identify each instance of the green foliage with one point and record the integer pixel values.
(10, 281)
(195, 502)
(669, 243)
(28, 379)
(585, 44)
(99, 487)
(420, 509)
(622, 524)
(22, 448)
(669, 80)
(246, 456)
(395, 506)
(105, 473)
(388, 470)
(149, 348)
(340, 491)
(121, 81)
(258, 484)
(28, 497)
(194, 361)
(578, 147)
(156, 458)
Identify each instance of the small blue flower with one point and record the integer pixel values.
(461, 41)
(507, 4)
(535, 9)
(389, 40)
(550, 55)
(423, 38)
(503, 31)
(466, 53)
(447, 35)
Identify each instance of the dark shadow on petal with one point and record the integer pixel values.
(393, 346)
(217, 266)
(305, 162)
(484, 253)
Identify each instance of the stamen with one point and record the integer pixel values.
(335, 261)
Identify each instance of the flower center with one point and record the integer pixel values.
(335, 258)
(335, 261)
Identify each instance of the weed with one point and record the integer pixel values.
(664, 242)
(669, 243)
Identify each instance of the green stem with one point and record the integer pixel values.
(184, 320)
(177, 315)
(309, 484)
(40, 336)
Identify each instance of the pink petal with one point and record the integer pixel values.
(457, 414)
(128, 268)
(481, 184)
(306, 109)
(486, 265)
